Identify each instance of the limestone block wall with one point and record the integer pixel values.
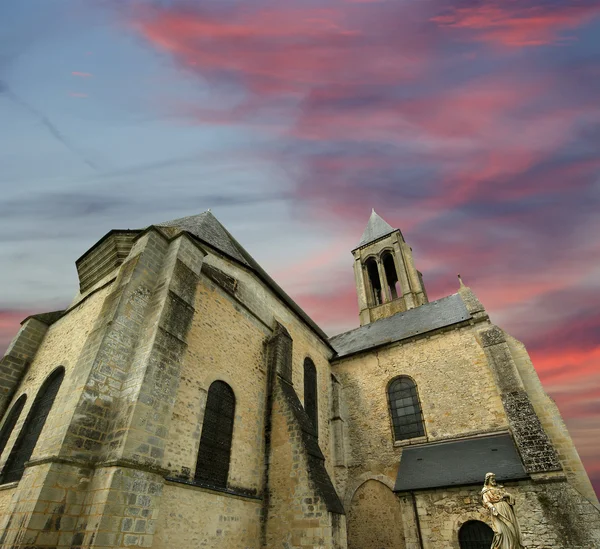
(455, 386)
(302, 508)
(109, 460)
(536, 449)
(298, 515)
(552, 421)
(224, 343)
(196, 517)
(375, 518)
(552, 515)
(18, 357)
(5, 498)
(61, 346)
(254, 298)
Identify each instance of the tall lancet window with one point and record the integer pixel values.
(405, 409)
(214, 453)
(32, 428)
(310, 392)
(11, 421)
(373, 273)
(391, 275)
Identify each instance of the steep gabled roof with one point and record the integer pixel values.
(426, 318)
(376, 228)
(207, 228)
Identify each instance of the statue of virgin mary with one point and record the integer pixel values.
(507, 534)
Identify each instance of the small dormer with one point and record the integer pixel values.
(386, 279)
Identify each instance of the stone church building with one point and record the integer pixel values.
(183, 400)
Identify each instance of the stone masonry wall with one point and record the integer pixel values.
(375, 518)
(536, 449)
(195, 517)
(551, 515)
(552, 422)
(56, 345)
(62, 345)
(225, 343)
(253, 298)
(302, 508)
(109, 462)
(15, 363)
(298, 515)
(455, 386)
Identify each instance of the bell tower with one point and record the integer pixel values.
(387, 281)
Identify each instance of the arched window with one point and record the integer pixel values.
(391, 275)
(405, 409)
(214, 452)
(11, 421)
(475, 534)
(373, 273)
(32, 428)
(310, 392)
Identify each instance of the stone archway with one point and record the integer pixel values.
(374, 518)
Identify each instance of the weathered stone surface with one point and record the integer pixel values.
(142, 345)
(375, 518)
(537, 451)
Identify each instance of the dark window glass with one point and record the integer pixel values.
(475, 534)
(310, 393)
(11, 421)
(405, 409)
(214, 452)
(391, 275)
(32, 428)
(372, 270)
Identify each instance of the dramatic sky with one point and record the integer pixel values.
(471, 125)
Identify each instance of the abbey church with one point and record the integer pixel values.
(183, 400)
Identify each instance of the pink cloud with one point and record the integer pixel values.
(285, 51)
(82, 74)
(514, 25)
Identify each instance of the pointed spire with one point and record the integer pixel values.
(460, 280)
(376, 228)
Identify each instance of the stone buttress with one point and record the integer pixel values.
(302, 508)
(101, 485)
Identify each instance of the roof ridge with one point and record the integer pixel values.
(207, 228)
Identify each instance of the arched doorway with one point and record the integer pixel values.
(374, 518)
(475, 534)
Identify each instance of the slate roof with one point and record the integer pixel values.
(431, 316)
(46, 318)
(376, 228)
(459, 462)
(206, 227)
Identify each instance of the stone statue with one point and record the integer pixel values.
(507, 534)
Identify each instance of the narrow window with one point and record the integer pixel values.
(11, 421)
(310, 392)
(32, 428)
(214, 452)
(475, 534)
(391, 275)
(405, 409)
(373, 273)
